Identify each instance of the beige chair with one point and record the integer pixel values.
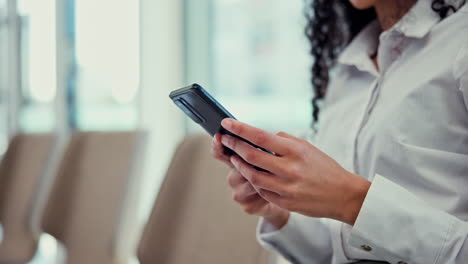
(21, 171)
(194, 219)
(85, 206)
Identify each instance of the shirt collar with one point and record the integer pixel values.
(421, 18)
(417, 23)
(362, 47)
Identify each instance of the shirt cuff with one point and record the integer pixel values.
(397, 226)
(302, 240)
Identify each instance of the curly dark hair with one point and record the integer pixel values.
(331, 25)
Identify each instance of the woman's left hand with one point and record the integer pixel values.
(300, 177)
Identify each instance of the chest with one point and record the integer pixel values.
(414, 101)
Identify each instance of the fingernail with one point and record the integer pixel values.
(233, 159)
(226, 123)
(224, 140)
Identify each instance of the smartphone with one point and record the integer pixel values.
(201, 107)
(204, 110)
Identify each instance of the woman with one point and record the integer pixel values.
(387, 179)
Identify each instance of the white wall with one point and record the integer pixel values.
(161, 71)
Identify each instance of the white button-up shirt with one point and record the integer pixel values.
(405, 128)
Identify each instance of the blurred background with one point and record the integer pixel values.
(109, 65)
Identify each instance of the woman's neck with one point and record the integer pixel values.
(389, 12)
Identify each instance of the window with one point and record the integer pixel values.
(3, 77)
(258, 61)
(38, 65)
(107, 57)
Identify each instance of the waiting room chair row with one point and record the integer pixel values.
(84, 193)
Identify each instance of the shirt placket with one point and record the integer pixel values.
(391, 45)
(368, 110)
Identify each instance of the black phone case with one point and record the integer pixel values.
(203, 109)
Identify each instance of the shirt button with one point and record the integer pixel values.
(367, 248)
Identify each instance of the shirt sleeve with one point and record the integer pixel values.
(397, 226)
(301, 240)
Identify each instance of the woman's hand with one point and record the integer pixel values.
(218, 151)
(245, 194)
(302, 178)
(252, 203)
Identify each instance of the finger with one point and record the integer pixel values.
(259, 137)
(286, 135)
(226, 152)
(252, 155)
(257, 178)
(217, 151)
(217, 142)
(245, 189)
(274, 198)
(217, 147)
(243, 193)
(235, 178)
(254, 206)
(291, 137)
(217, 137)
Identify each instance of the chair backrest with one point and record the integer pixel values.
(85, 204)
(194, 219)
(21, 171)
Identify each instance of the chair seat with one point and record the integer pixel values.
(194, 219)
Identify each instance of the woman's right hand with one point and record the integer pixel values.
(245, 194)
